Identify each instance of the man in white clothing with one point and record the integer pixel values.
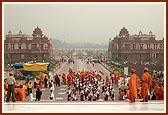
(52, 92)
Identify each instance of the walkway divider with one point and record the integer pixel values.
(104, 65)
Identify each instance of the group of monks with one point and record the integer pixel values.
(82, 75)
(19, 91)
(146, 82)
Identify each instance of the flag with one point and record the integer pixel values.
(102, 73)
(91, 74)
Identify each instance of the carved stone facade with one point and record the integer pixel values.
(22, 48)
(141, 48)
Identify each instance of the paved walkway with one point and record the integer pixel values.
(86, 107)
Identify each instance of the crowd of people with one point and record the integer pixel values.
(89, 89)
(146, 87)
(90, 86)
(23, 91)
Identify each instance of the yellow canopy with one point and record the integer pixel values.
(35, 66)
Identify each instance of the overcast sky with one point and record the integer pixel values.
(84, 22)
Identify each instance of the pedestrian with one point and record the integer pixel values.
(112, 77)
(57, 80)
(125, 76)
(5, 85)
(69, 92)
(21, 93)
(93, 64)
(70, 79)
(133, 86)
(146, 82)
(45, 82)
(5, 89)
(103, 87)
(30, 96)
(126, 80)
(41, 84)
(52, 92)
(139, 92)
(112, 94)
(38, 94)
(49, 85)
(107, 81)
(52, 95)
(128, 94)
(25, 87)
(74, 97)
(11, 84)
(29, 88)
(64, 80)
(49, 79)
(35, 82)
(121, 94)
(116, 80)
(82, 95)
(159, 91)
(94, 96)
(106, 95)
(16, 93)
(90, 96)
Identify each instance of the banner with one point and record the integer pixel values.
(126, 71)
(35, 66)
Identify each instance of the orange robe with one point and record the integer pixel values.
(146, 82)
(40, 84)
(133, 86)
(22, 94)
(153, 83)
(69, 77)
(80, 79)
(156, 90)
(41, 78)
(159, 93)
(116, 80)
(84, 77)
(99, 78)
(72, 75)
(16, 94)
(91, 79)
(128, 94)
(107, 81)
(5, 86)
(121, 95)
(81, 76)
(64, 79)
